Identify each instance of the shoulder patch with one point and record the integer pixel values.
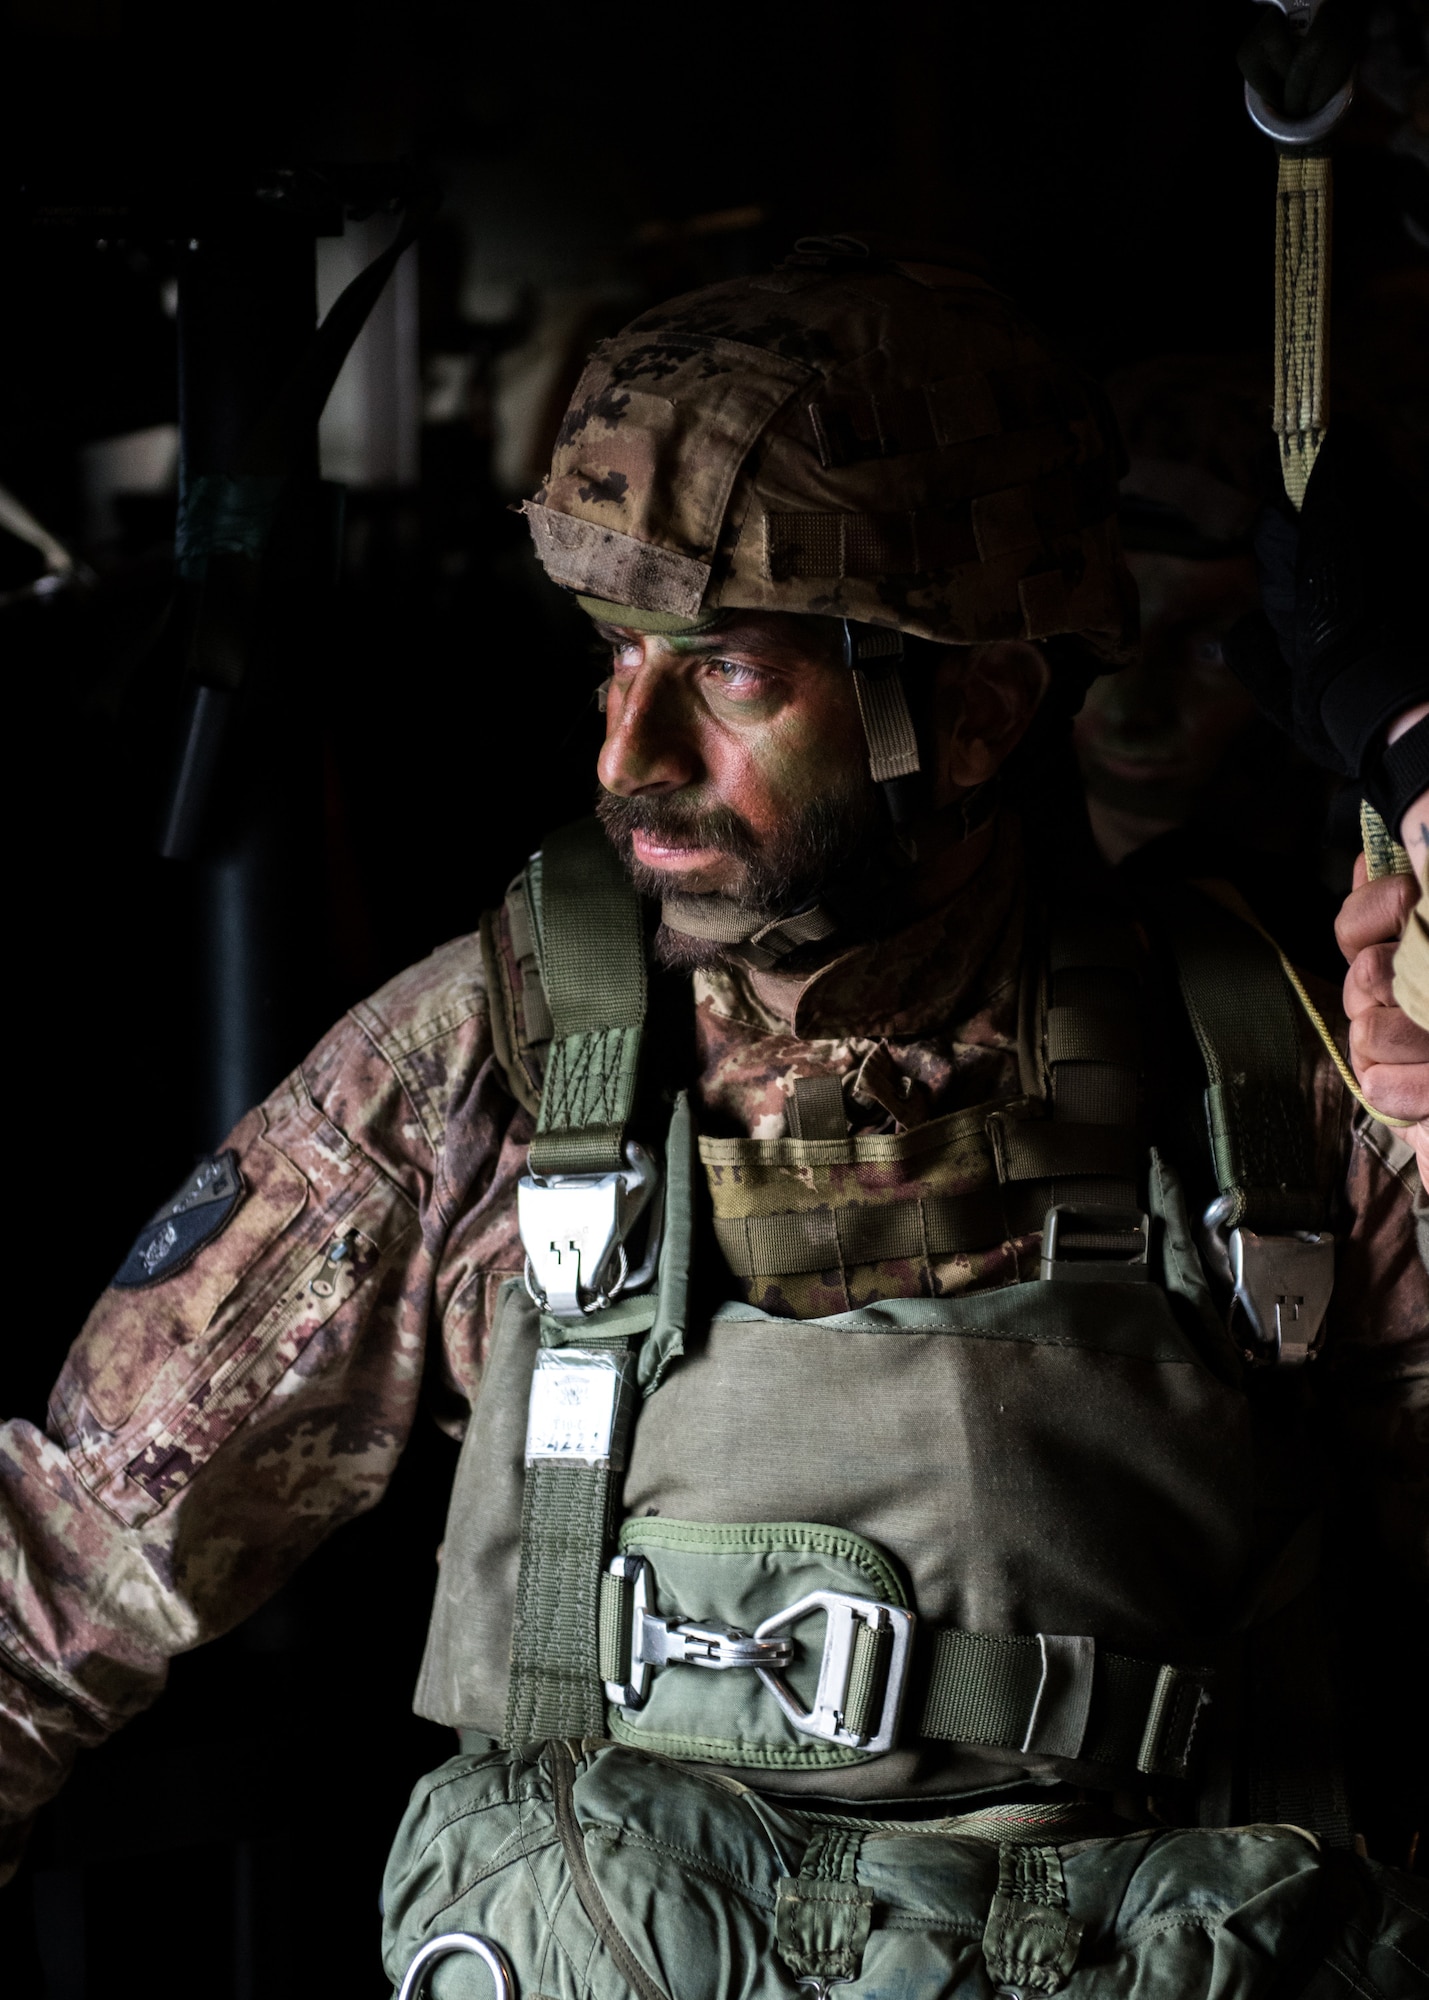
(197, 1212)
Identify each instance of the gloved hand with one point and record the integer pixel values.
(1338, 650)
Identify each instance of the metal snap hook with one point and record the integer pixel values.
(439, 1947)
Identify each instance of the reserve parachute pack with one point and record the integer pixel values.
(933, 1543)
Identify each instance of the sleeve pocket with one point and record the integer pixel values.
(160, 1378)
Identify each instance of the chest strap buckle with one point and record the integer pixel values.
(669, 1642)
(574, 1228)
(862, 1674)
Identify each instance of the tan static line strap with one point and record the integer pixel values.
(836, 1237)
(1304, 206)
(887, 724)
(1303, 199)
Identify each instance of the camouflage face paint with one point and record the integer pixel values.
(734, 762)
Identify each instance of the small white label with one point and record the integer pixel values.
(575, 1402)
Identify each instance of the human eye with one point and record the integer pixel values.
(737, 678)
(1206, 650)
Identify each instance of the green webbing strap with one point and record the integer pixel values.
(821, 1915)
(575, 1459)
(593, 969)
(555, 1687)
(617, 1612)
(988, 1688)
(867, 1677)
(1053, 1151)
(1030, 1943)
(1245, 1024)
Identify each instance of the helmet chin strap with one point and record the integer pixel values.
(874, 655)
(753, 937)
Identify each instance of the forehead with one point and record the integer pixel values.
(769, 632)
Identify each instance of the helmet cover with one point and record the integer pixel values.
(886, 441)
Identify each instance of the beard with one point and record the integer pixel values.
(818, 847)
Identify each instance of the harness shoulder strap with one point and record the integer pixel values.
(1246, 1028)
(577, 933)
(591, 945)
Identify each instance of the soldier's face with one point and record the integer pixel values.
(733, 759)
(1151, 738)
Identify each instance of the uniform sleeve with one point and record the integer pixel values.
(210, 1427)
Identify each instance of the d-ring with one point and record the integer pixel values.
(438, 1947)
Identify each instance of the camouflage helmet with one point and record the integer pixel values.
(865, 436)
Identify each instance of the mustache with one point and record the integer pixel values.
(678, 821)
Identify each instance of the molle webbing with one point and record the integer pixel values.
(1248, 1033)
(860, 1233)
(783, 1209)
(593, 970)
(804, 1207)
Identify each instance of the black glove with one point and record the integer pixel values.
(1338, 650)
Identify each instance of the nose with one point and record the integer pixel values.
(649, 745)
(1141, 698)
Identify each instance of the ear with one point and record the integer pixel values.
(984, 700)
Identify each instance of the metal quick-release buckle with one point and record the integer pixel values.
(826, 1719)
(575, 1227)
(670, 1642)
(1282, 1285)
(665, 1642)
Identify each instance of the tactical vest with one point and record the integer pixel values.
(934, 1543)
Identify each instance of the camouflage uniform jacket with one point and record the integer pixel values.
(209, 1429)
